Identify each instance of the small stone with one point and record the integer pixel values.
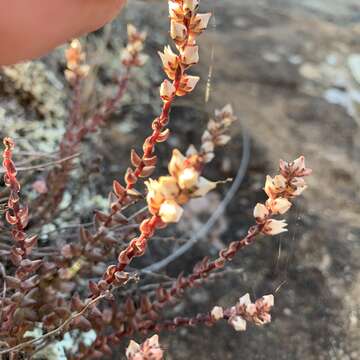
(354, 66)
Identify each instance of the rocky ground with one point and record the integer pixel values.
(291, 69)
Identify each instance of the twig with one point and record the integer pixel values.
(44, 165)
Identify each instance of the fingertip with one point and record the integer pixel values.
(104, 13)
(33, 28)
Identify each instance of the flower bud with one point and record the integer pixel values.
(170, 211)
(176, 164)
(217, 313)
(238, 323)
(260, 212)
(74, 55)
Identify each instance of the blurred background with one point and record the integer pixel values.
(291, 70)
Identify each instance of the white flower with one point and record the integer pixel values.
(203, 20)
(209, 157)
(200, 23)
(274, 186)
(238, 323)
(299, 191)
(279, 205)
(168, 57)
(298, 164)
(188, 178)
(265, 319)
(268, 300)
(297, 182)
(217, 313)
(245, 300)
(187, 84)
(191, 151)
(134, 34)
(260, 212)
(251, 309)
(222, 139)
(175, 11)
(170, 211)
(190, 82)
(170, 61)
(132, 349)
(74, 55)
(168, 187)
(167, 90)
(206, 136)
(204, 186)
(190, 55)
(190, 5)
(154, 196)
(274, 227)
(208, 146)
(177, 31)
(227, 110)
(154, 341)
(295, 168)
(299, 185)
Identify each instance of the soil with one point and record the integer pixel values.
(284, 66)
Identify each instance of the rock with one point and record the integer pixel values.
(354, 66)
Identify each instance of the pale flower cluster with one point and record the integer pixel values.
(76, 67)
(149, 350)
(216, 132)
(185, 26)
(133, 54)
(244, 311)
(279, 189)
(167, 194)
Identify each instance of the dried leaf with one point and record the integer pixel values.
(147, 171)
(163, 136)
(119, 190)
(135, 158)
